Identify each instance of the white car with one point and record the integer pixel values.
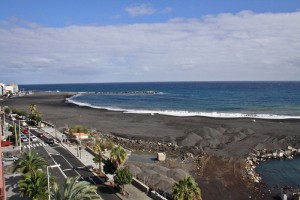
(23, 138)
(33, 138)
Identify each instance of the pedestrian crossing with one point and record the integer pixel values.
(40, 144)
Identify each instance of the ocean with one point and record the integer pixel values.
(280, 173)
(271, 100)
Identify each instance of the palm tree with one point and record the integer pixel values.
(32, 108)
(29, 162)
(97, 160)
(118, 156)
(186, 189)
(35, 185)
(98, 148)
(75, 190)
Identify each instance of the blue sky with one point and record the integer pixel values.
(161, 40)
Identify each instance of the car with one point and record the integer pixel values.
(23, 138)
(40, 135)
(33, 138)
(11, 158)
(25, 131)
(50, 141)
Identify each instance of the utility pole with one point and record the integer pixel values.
(20, 137)
(29, 136)
(15, 129)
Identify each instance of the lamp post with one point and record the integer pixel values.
(48, 177)
(29, 136)
(20, 137)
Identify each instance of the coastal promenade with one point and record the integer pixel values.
(132, 192)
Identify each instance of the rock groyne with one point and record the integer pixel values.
(255, 158)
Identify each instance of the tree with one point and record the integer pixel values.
(75, 190)
(19, 112)
(35, 185)
(186, 189)
(32, 108)
(98, 148)
(122, 177)
(36, 117)
(98, 161)
(78, 129)
(118, 156)
(7, 110)
(29, 162)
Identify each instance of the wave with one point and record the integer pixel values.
(181, 113)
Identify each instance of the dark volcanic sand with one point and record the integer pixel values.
(222, 137)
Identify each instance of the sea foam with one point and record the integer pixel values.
(182, 113)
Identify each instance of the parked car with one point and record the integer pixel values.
(33, 138)
(11, 158)
(50, 141)
(40, 135)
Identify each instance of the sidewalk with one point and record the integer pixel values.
(87, 159)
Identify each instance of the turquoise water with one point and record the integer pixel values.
(212, 99)
(280, 173)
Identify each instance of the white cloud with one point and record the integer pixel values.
(244, 46)
(138, 10)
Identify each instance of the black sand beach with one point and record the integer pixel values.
(224, 141)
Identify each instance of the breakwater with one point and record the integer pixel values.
(258, 156)
(123, 92)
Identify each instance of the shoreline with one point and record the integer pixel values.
(178, 113)
(224, 142)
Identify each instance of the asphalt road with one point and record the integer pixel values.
(76, 166)
(70, 166)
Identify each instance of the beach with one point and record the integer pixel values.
(224, 142)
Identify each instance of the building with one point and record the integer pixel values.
(2, 89)
(80, 136)
(15, 88)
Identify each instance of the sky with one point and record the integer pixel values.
(95, 41)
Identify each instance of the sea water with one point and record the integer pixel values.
(280, 173)
(274, 100)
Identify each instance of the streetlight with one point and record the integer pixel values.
(51, 166)
(29, 136)
(20, 137)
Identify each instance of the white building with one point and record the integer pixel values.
(2, 89)
(12, 88)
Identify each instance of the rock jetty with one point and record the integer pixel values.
(255, 158)
(123, 92)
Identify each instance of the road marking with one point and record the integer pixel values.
(34, 145)
(67, 169)
(56, 163)
(80, 167)
(92, 180)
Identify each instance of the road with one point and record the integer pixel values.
(70, 166)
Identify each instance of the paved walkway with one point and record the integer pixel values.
(87, 159)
